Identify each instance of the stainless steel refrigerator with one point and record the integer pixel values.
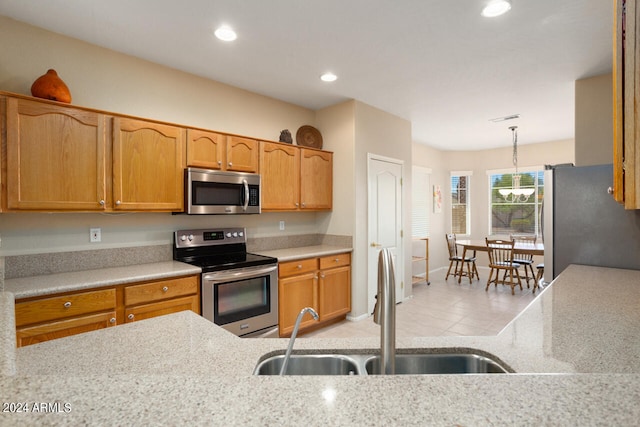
(582, 224)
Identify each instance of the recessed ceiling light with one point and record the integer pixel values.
(226, 34)
(496, 8)
(328, 77)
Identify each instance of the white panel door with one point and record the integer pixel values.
(385, 221)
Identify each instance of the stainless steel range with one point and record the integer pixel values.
(239, 289)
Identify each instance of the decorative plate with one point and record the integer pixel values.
(308, 136)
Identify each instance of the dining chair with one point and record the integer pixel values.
(526, 260)
(501, 259)
(472, 270)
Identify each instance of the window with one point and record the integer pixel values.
(420, 197)
(460, 208)
(520, 216)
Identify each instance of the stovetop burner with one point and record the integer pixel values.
(215, 250)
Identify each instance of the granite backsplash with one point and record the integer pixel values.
(63, 262)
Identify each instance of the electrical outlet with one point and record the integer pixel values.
(95, 235)
(281, 225)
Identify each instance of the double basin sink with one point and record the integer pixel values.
(423, 363)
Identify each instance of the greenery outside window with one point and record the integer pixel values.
(521, 216)
(460, 206)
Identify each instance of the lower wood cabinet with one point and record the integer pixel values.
(46, 318)
(321, 283)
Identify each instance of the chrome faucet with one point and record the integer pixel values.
(287, 355)
(384, 312)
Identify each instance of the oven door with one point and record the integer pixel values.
(243, 301)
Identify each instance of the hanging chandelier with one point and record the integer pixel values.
(515, 194)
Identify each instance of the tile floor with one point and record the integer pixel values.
(444, 308)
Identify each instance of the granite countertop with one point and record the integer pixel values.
(292, 254)
(34, 286)
(181, 368)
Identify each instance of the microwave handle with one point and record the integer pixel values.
(246, 195)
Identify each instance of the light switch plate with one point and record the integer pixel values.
(95, 235)
(281, 225)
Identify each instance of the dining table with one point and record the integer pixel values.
(524, 248)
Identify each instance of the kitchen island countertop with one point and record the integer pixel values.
(574, 350)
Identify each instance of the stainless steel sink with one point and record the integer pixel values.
(421, 364)
(309, 364)
(425, 363)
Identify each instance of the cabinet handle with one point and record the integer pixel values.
(67, 304)
(130, 316)
(112, 320)
(118, 202)
(165, 289)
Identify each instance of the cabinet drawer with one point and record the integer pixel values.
(156, 291)
(147, 311)
(65, 306)
(338, 260)
(293, 268)
(64, 328)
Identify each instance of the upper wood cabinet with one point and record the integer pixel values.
(295, 178)
(56, 157)
(280, 171)
(148, 165)
(626, 108)
(216, 151)
(316, 179)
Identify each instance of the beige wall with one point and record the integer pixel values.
(110, 81)
(594, 120)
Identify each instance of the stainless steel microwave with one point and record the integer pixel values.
(211, 192)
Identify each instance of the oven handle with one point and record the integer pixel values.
(237, 274)
(246, 194)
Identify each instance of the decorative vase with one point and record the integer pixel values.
(50, 86)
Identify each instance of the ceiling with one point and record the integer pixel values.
(437, 63)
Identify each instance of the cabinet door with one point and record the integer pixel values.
(626, 115)
(55, 157)
(242, 154)
(316, 180)
(148, 166)
(280, 171)
(64, 328)
(334, 291)
(147, 311)
(294, 294)
(205, 149)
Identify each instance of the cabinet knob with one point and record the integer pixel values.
(219, 162)
(610, 190)
(67, 304)
(299, 266)
(303, 204)
(112, 320)
(118, 202)
(165, 288)
(337, 260)
(130, 316)
(102, 203)
(322, 276)
(297, 204)
(230, 164)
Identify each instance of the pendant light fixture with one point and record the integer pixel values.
(515, 194)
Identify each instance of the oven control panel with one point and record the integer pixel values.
(209, 237)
